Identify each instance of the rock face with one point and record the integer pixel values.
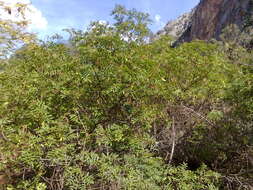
(177, 27)
(209, 18)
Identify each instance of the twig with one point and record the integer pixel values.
(199, 115)
(242, 173)
(173, 140)
(4, 137)
(244, 64)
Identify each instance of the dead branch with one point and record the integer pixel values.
(173, 140)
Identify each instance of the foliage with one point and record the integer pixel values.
(131, 24)
(13, 31)
(84, 120)
(104, 110)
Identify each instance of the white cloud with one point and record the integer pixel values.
(33, 15)
(158, 21)
(102, 22)
(157, 18)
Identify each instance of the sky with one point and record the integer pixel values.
(51, 16)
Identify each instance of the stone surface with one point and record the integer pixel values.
(177, 27)
(208, 19)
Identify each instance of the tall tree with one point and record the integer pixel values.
(133, 25)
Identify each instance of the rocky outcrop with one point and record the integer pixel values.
(209, 18)
(176, 28)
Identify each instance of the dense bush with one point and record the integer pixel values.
(105, 111)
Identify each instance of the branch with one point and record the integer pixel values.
(244, 64)
(4, 137)
(173, 140)
(199, 115)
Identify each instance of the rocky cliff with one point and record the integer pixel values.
(208, 19)
(177, 27)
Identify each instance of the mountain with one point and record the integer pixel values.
(209, 18)
(177, 27)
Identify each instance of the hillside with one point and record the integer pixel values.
(209, 18)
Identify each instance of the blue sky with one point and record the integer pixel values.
(78, 14)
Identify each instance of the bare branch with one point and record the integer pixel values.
(173, 140)
(200, 116)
